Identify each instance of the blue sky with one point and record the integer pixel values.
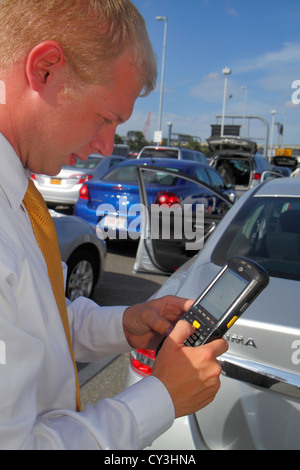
(259, 40)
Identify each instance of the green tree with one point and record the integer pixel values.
(118, 139)
(138, 142)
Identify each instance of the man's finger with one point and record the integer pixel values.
(181, 332)
(217, 347)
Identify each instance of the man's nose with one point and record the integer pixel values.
(104, 144)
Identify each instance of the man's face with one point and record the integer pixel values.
(71, 128)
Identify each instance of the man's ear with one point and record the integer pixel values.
(44, 64)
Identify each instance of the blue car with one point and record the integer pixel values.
(112, 203)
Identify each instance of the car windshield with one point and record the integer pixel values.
(159, 153)
(89, 164)
(266, 230)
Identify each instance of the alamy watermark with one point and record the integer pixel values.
(296, 93)
(296, 354)
(174, 222)
(2, 353)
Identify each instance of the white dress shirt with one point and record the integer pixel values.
(37, 381)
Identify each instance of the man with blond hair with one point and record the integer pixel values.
(73, 70)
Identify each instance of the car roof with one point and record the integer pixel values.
(280, 187)
(165, 162)
(164, 147)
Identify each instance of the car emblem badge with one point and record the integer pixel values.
(238, 339)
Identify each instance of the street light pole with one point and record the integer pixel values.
(226, 72)
(245, 107)
(165, 19)
(273, 113)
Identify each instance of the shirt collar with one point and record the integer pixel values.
(13, 176)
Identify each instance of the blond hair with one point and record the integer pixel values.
(92, 33)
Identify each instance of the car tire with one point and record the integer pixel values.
(82, 274)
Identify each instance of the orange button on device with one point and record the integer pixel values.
(232, 321)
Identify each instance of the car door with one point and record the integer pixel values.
(172, 233)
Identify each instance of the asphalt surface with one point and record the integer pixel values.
(118, 286)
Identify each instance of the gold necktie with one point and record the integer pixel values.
(45, 234)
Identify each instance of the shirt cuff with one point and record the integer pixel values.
(152, 407)
(108, 332)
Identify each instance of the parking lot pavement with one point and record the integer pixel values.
(107, 383)
(119, 286)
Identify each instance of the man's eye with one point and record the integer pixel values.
(105, 121)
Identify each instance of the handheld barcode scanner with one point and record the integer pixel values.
(226, 298)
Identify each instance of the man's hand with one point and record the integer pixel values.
(145, 325)
(191, 375)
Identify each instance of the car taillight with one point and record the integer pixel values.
(142, 360)
(84, 192)
(257, 176)
(81, 178)
(167, 197)
(32, 176)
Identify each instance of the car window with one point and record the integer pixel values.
(159, 153)
(267, 230)
(126, 173)
(114, 161)
(89, 164)
(262, 163)
(187, 155)
(200, 157)
(201, 175)
(216, 180)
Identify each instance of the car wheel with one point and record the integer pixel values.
(81, 277)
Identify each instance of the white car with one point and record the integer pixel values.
(64, 188)
(258, 405)
(173, 153)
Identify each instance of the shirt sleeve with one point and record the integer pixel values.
(96, 331)
(36, 374)
(130, 421)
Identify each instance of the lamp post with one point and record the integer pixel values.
(226, 72)
(273, 113)
(245, 107)
(165, 19)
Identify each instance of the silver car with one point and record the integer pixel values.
(82, 251)
(238, 162)
(172, 152)
(258, 405)
(64, 188)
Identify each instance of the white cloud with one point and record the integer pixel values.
(210, 88)
(288, 54)
(232, 11)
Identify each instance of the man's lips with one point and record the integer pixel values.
(77, 157)
(72, 159)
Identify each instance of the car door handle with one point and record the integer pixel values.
(261, 375)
